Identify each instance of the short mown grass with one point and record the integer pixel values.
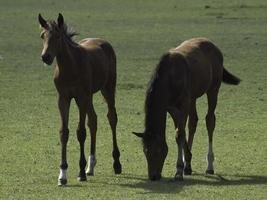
(140, 31)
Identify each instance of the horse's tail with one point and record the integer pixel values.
(230, 78)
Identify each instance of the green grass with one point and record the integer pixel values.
(140, 32)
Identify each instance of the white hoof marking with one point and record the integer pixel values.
(62, 174)
(91, 165)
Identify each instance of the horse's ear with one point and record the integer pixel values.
(42, 21)
(141, 135)
(60, 20)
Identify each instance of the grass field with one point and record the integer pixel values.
(140, 31)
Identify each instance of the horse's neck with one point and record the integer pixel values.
(156, 112)
(67, 58)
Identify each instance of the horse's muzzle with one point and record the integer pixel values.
(47, 59)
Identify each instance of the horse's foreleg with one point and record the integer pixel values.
(81, 135)
(63, 105)
(174, 112)
(181, 142)
(210, 123)
(92, 124)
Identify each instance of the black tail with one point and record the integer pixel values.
(230, 78)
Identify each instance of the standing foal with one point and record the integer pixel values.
(82, 69)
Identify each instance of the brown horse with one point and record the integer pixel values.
(82, 69)
(182, 75)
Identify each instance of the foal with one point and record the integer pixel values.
(82, 69)
(183, 74)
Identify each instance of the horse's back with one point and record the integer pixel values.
(102, 60)
(205, 63)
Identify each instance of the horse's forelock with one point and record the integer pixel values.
(68, 31)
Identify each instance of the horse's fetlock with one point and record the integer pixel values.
(64, 131)
(64, 166)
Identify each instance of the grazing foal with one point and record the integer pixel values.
(183, 74)
(82, 69)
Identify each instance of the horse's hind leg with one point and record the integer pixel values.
(63, 105)
(92, 124)
(109, 95)
(192, 124)
(210, 123)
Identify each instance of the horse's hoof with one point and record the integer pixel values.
(117, 168)
(81, 178)
(62, 182)
(187, 171)
(178, 177)
(210, 171)
(91, 165)
(90, 173)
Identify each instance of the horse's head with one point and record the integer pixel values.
(155, 150)
(51, 35)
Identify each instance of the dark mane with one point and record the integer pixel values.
(153, 86)
(68, 31)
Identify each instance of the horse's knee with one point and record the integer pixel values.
(180, 136)
(81, 134)
(210, 117)
(192, 124)
(64, 135)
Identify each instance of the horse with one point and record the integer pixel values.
(82, 69)
(183, 74)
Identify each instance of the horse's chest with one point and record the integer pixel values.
(70, 88)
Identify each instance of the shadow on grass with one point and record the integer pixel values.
(168, 185)
(71, 186)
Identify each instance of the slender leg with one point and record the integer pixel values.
(192, 124)
(210, 123)
(92, 124)
(63, 105)
(174, 112)
(112, 118)
(181, 141)
(81, 134)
